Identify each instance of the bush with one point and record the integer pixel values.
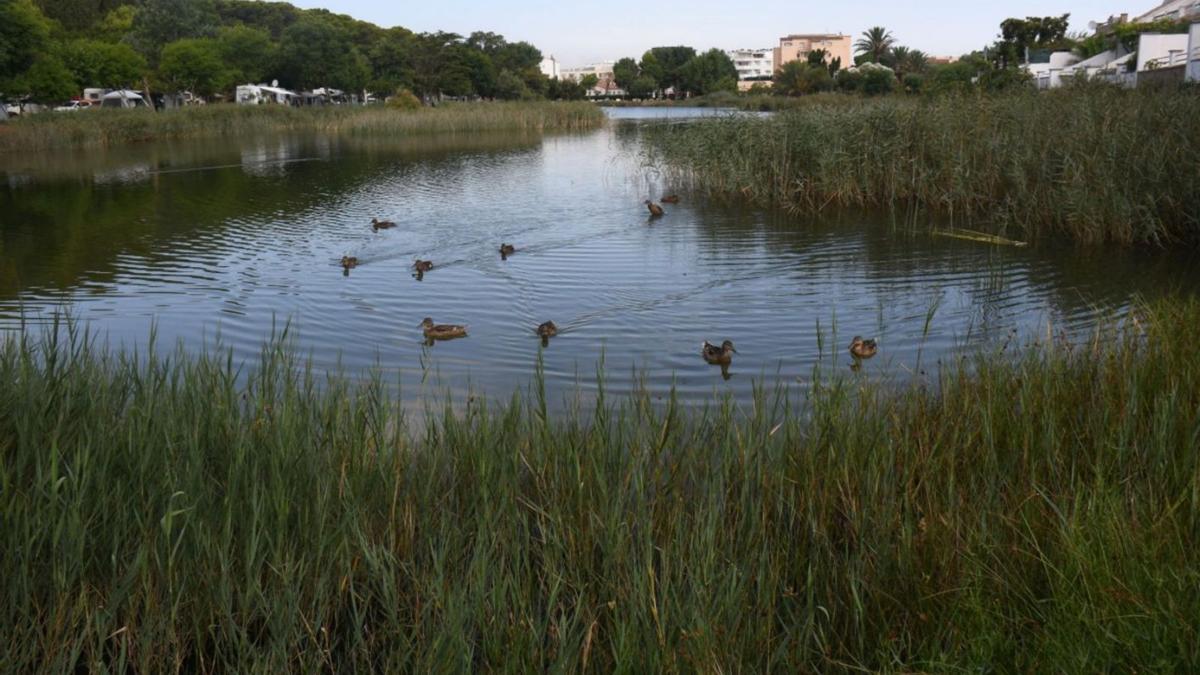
(404, 99)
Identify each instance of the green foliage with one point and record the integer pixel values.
(1019, 35)
(115, 25)
(46, 81)
(905, 61)
(875, 43)
(1022, 511)
(951, 78)
(509, 87)
(708, 72)
(195, 65)
(667, 65)
(314, 52)
(797, 78)
(159, 22)
(650, 67)
(78, 15)
(642, 87)
(24, 36)
(404, 99)
(588, 81)
(248, 53)
(103, 64)
(625, 71)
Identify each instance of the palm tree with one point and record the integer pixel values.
(875, 43)
(905, 61)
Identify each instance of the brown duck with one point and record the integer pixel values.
(507, 249)
(422, 266)
(442, 331)
(715, 355)
(655, 210)
(349, 262)
(670, 199)
(547, 330)
(863, 349)
(377, 224)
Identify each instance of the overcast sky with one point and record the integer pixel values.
(583, 31)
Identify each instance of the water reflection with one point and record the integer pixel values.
(208, 238)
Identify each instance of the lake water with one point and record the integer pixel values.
(226, 240)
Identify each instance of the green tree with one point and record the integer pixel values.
(817, 57)
(875, 43)
(625, 72)
(709, 72)
(670, 63)
(46, 81)
(160, 22)
(195, 65)
(248, 53)
(588, 81)
(650, 67)
(642, 87)
(391, 58)
(877, 79)
(316, 52)
(485, 79)
(907, 61)
(518, 57)
(951, 78)
(1018, 36)
(797, 78)
(24, 35)
(77, 15)
(103, 64)
(115, 25)
(510, 87)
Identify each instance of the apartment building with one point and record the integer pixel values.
(1174, 10)
(796, 48)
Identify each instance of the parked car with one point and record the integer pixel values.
(73, 106)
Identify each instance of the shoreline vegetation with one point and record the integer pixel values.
(1092, 164)
(1025, 510)
(100, 128)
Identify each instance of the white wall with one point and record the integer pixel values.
(1157, 48)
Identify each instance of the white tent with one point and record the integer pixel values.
(122, 98)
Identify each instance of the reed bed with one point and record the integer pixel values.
(1033, 511)
(1090, 164)
(113, 127)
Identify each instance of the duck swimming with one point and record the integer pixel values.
(507, 249)
(547, 330)
(381, 224)
(442, 331)
(863, 349)
(715, 355)
(670, 199)
(655, 209)
(349, 262)
(423, 265)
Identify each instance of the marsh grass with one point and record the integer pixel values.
(1027, 512)
(1091, 164)
(112, 127)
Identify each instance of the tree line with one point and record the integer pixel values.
(51, 49)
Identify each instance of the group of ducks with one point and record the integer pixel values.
(860, 348)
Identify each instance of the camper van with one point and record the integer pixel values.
(122, 98)
(261, 94)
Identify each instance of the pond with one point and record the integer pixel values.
(225, 241)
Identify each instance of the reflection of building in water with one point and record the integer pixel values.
(271, 156)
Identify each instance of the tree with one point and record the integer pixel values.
(248, 53)
(651, 68)
(484, 79)
(24, 35)
(195, 65)
(159, 22)
(46, 81)
(391, 58)
(951, 78)
(103, 64)
(642, 87)
(709, 72)
(588, 81)
(315, 52)
(509, 87)
(877, 79)
(670, 62)
(797, 78)
(77, 15)
(1018, 36)
(518, 57)
(875, 43)
(625, 72)
(907, 61)
(115, 25)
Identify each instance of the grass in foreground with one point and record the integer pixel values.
(1092, 164)
(1036, 513)
(113, 127)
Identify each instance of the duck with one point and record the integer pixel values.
(722, 355)
(423, 265)
(442, 331)
(670, 199)
(377, 224)
(349, 262)
(547, 330)
(507, 249)
(863, 349)
(655, 209)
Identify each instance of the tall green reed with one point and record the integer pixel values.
(1026, 512)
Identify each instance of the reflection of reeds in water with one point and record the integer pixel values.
(165, 511)
(112, 127)
(1095, 165)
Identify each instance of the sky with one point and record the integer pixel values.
(578, 32)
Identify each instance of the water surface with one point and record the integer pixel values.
(228, 239)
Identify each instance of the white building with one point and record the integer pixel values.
(600, 70)
(260, 94)
(1161, 50)
(1176, 10)
(753, 64)
(1049, 75)
(550, 69)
